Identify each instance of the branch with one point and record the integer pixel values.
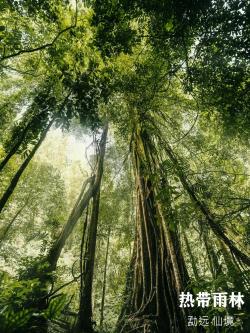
(20, 71)
(64, 285)
(39, 48)
(189, 130)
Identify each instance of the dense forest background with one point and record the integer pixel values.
(124, 164)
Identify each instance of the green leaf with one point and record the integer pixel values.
(169, 26)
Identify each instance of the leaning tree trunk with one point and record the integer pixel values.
(12, 221)
(81, 204)
(26, 162)
(44, 269)
(238, 276)
(14, 148)
(191, 257)
(49, 263)
(153, 304)
(204, 209)
(23, 167)
(17, 143)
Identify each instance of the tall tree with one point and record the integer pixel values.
(157, 277)
(81, 204)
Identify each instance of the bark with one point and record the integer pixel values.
(172, 251)
(104, 281)
(82, 247)
(155, 298)
(127, 295)
(81, 204)
(22, 168)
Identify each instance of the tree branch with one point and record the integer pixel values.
(42, 47)
(39, 48)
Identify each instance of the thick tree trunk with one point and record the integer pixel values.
(238, 277)
(104, 281)
(23, 167)
(156, 280)
(155, 298)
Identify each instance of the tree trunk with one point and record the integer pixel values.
(104, 281)
(13, 150)
(237, 276)
(20, 140)
(128, 291)
(215, 226)
(41, 300)
(81, 204)
(191, 257)
(2, 237)
(83, 241)
(214, 264)
(156, 278)
(84, 322)
(23, 167)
